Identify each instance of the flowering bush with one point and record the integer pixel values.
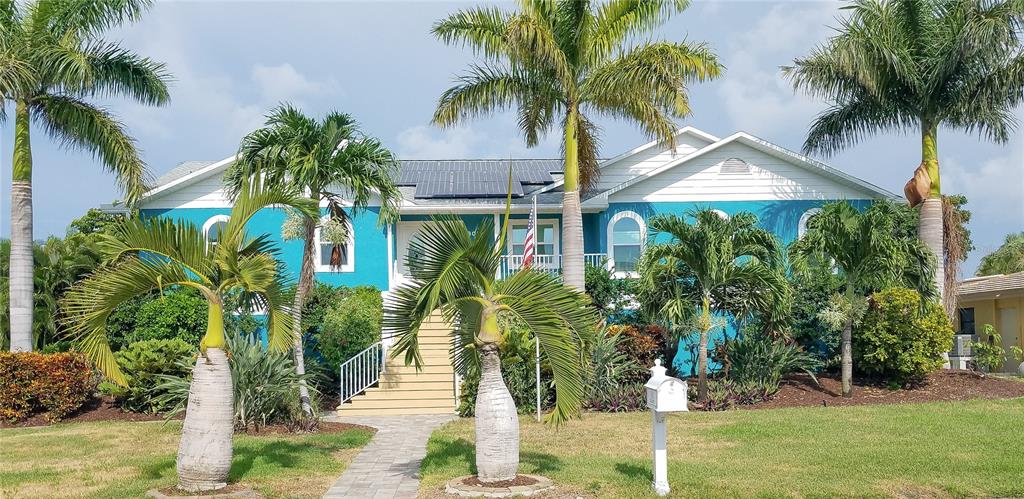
(55, 384)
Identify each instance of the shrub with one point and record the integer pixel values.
(55, 384)
(610, 295)
(628, 397)
(725, 393)
(264, 383)
(812, 293)
(143, 363)
(756, 361)
(319, 300)
(349, 325)
(642, 345)
(179, 313)
(989, 354)
(901, 338)
(518, 368)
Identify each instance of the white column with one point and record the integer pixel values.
(660, 437)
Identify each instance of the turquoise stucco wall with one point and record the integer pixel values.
(371, 263)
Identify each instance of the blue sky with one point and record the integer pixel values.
(232, 61)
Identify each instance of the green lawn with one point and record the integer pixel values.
(971, 448)
(120, 459)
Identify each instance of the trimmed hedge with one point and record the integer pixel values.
(54, 384)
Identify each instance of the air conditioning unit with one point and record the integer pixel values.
(961, 346)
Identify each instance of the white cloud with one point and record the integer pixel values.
(429, 142)
(284, 83)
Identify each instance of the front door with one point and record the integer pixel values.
(404, 234)
(1009, 330)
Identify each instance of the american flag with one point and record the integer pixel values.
(530, 243)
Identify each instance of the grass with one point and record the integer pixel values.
(123, 459)
(922, 450)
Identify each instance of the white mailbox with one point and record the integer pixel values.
(665, 393)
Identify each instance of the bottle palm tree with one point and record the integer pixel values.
(454, 273)
(317, 157)
(714, 266)
(52, 61)
(564, 62)
(867, 251)
(148, 255)
(917, 65)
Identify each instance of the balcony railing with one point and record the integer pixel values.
(545, 263)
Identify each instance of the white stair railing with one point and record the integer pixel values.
(362, 371)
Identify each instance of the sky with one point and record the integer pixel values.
(234, 61)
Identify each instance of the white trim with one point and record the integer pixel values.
(350, 250)
(191, 177)
(696, 132)
(801, 227)
(610, 235)
(391, 254)
(763, 146)
(210, 222)
(721, 214)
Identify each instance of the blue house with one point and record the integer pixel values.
(737, 173)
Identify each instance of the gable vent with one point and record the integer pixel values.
(734, 166)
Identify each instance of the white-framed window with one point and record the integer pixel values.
(214, 227)
(626, 235)
(801, 227)
(547, 248)
(324, 250)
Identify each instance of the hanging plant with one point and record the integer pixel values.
(334, 231)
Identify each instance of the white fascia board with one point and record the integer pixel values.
(188, 179)
(687, 130)
(481, 209)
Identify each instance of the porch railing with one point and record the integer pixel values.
(362, 371)
(544, 263)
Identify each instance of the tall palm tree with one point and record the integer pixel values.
(53, 59)
(867, 251)
(148, 255)
(714, 266)
(564, 62)
(917, 65)
(454, 273)
(1007, 259)
(318, 157)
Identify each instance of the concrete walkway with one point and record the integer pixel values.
(388, 467)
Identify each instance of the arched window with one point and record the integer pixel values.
(626, 234)
(214, 227)
(326, 249)
(802, 226)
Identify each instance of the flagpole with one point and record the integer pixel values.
(536, 339)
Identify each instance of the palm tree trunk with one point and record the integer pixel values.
(204, 454)
(21, 266)
(497, 423)
(702, 368)
(929, 228)
(846, 344)
(301, 292)
(572, 218)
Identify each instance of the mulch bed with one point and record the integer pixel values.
(947, 385)
(515, 482)
(97, 409)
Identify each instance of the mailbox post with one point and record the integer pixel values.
(664, 394)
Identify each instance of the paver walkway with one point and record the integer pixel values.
(388, 467)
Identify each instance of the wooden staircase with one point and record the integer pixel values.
(404, 390)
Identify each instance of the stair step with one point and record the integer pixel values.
(392, 377)
(413, 395)
(414, 383)
(393, 411)
(426, 369)
(363, 402)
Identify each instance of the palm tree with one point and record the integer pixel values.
(917, 65)
(52, 61)
(454, 273)
(565, 62)
(317, 157)
(866, 249)
(714, 266)
(1007, 259)
(148, 255)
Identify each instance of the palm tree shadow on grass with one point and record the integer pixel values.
(634, 471)
(453, 454)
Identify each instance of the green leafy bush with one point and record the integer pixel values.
(989, 354)
(143, 363)
(264, 382)
(725, 394)
(180, 313)
(349, 325)
(518, 368)
(54, 384)
(612, 383)
(756, 361)
(610, 295)
(901, 338)
(812, 293)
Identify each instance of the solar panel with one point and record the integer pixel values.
(441, 179)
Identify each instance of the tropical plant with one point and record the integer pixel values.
(988, 352)
(318, 157)
(54, 384)
(53, 60)
(901, 339)
(150, 254)
(143, 363)
(1007, 259)
(758, 360)
(454, 275)
(869, 254)
(564, 62)
(917, 65)
(350, 325)
(709, 268)
(610, 368)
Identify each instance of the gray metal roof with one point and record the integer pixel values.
(180, 170)
(992, 284)
(475, 178)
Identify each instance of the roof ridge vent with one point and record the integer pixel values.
(734, 166)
